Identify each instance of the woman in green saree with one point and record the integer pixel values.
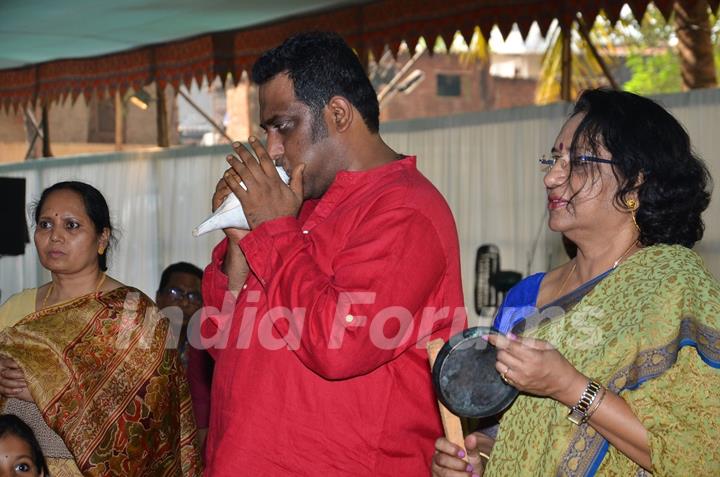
(616, 353)
(83, 359)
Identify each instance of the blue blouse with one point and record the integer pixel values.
(520, 302)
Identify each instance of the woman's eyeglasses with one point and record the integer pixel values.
(178, 294)
(547, 163)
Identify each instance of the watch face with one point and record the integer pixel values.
(578, 414)
(465, 378)
(575, 417)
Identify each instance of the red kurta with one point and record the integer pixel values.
(341, 386)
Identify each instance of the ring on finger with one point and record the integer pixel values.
(504, 377)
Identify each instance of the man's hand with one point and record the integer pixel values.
(12, 381)
(235, 265)
(221, 192)
(267, 197)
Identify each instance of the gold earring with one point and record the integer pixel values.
(632, 205)
(101, 249)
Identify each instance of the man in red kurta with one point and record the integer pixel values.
(319, 315)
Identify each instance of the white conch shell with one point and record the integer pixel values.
(230, 212)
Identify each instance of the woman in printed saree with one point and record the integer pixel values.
(616, 353)
(83, 359)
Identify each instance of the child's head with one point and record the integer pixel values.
(20, 453)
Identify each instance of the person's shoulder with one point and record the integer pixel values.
(17, 306)
(406, 186)
(128, 296)
(525, 292)
(531, 279)
(410, 176)
(673, 271)
(25, 296)
(136, 291)
(520, 302)
(674, 261)
(403, 186)
(403, 192)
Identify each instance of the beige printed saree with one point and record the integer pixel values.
(98, 370)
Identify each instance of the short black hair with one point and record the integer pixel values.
(321, 65)
(653, 157)
(95, 207)
(12, 425)
(179, 267)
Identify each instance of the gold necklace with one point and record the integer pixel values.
(567, 277)
(52, 286)
(615, 264)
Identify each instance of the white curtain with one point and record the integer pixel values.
(485, 164)
(156, 198)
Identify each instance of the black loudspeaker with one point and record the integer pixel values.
(14, 233)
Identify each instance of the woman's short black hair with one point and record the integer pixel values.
(321, 65)
(653, 157)
(95, 206)
(12, 425)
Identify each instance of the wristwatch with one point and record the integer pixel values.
(578, 413)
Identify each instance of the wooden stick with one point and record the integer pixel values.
(451, 423)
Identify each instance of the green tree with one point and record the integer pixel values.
(662, 57)
(653, 74)
(652, 52)
(653, 63)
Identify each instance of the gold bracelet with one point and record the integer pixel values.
(578, 413)
(596, 404)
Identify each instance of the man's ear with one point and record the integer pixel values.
(341, 113)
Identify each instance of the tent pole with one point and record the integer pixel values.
(46, 131)
(31, 122)
(566, 80)
(119, 116)
(205, 115)
(163, 139)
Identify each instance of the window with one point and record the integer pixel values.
(101, 127)
(448, 85)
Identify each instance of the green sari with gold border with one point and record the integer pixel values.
(650, 332)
